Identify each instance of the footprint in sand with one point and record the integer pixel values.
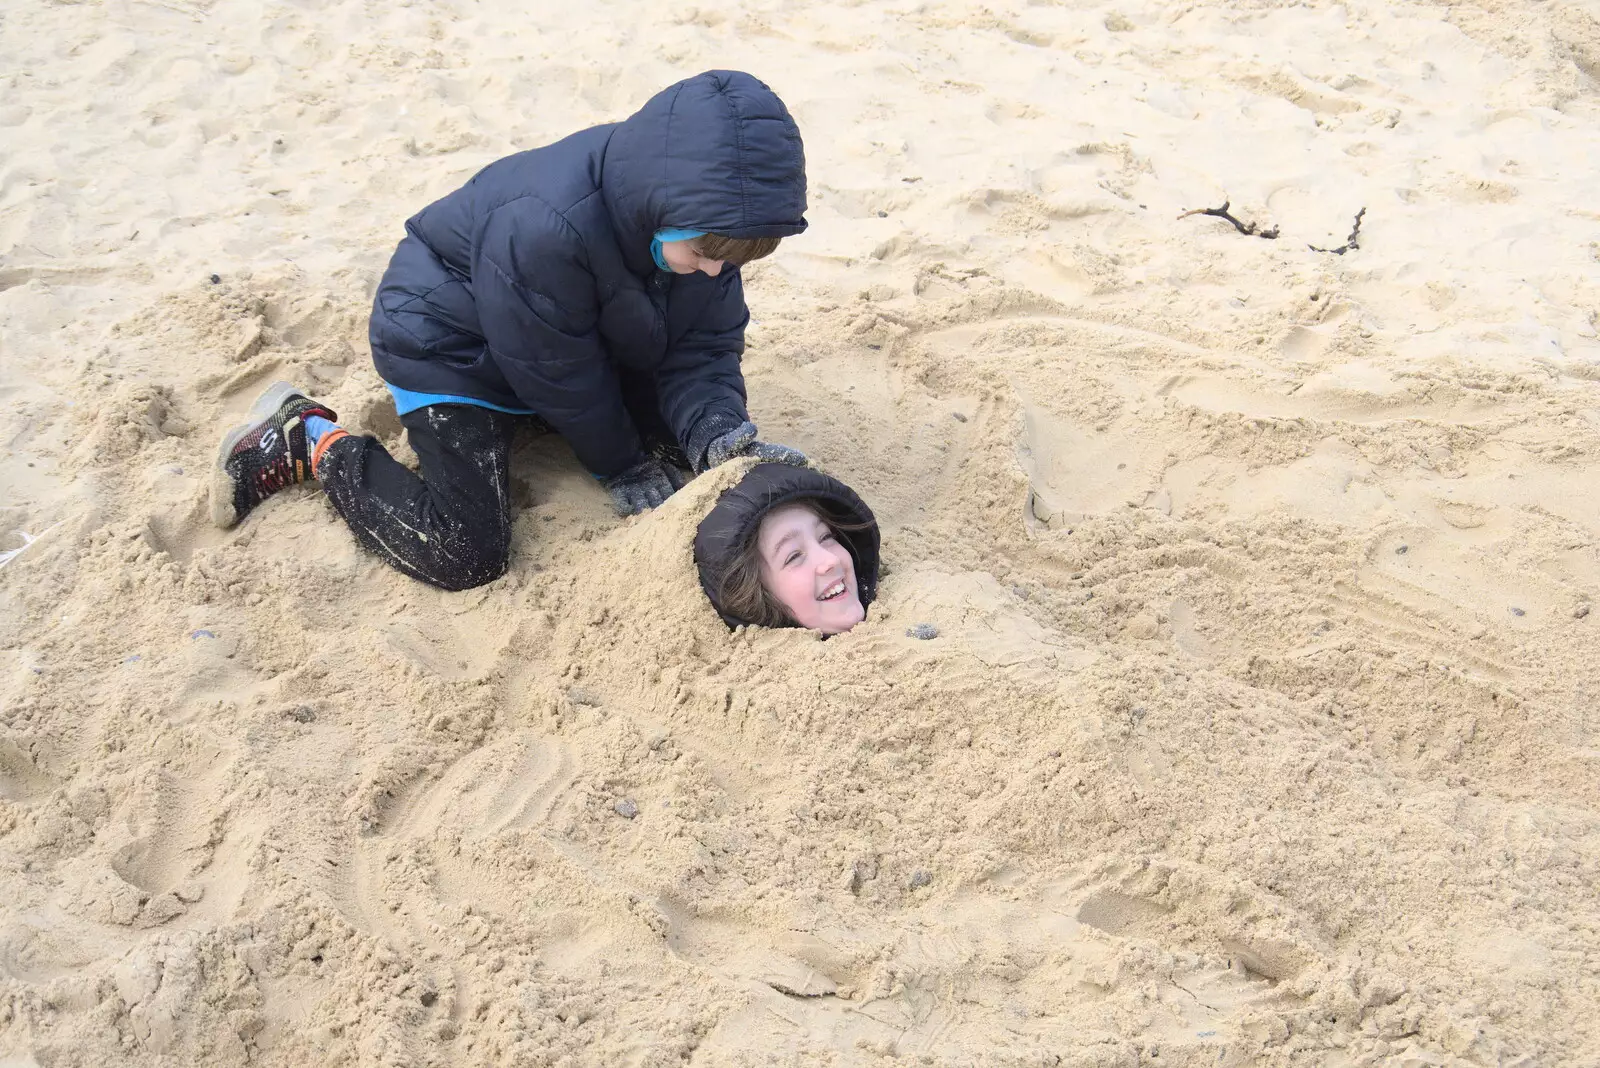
(511, 784)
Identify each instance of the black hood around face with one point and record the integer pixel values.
(733, 520)
(717, 152)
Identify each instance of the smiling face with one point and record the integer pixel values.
(808, 571)
(684, 258)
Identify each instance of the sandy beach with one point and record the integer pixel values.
(1260, 726)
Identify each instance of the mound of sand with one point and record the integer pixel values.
(1258, 726)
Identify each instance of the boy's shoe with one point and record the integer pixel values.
(265, 454)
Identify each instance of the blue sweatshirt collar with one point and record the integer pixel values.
(670, 233)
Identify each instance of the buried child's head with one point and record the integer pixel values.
(789, 547)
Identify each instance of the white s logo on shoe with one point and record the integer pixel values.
(269, 439)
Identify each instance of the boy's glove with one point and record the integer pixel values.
(645, 485)
(742, 441)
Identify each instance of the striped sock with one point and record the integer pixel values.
(322, 433)
(316, 426)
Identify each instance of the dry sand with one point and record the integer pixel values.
(1260, 727)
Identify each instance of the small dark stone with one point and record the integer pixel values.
(923, 632)
(958, 417)
(1401, 550)
(1517, 611)
(919, 878)
(216, 279)
(1055, 753)
(301, 713)
(626, 808)
(883, 215)
(1580, 611)
(428, 998)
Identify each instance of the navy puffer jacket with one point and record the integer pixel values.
(532, 286)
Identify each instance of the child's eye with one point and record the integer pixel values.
(827, 535)
(792, 558)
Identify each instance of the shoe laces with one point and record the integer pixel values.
(275, 474)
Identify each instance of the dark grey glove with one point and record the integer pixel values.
(742, 441)
(645, 485)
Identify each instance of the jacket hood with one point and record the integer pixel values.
(717, 152)
(733, 521)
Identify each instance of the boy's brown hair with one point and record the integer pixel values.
(737, 251)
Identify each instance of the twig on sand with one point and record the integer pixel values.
(1249, 230)
(1351, 243)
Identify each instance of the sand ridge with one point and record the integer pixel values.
(1257, 729)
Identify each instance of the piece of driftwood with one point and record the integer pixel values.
(1248, 229)
(1351, 243)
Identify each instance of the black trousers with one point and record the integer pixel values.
(450, 526)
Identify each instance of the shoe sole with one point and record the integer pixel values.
(222, 510)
